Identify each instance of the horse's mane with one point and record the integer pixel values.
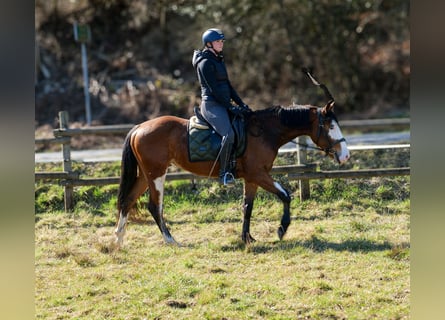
(294, 116)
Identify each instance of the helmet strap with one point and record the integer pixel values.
(210, 46)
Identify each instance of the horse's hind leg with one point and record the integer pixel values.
(137, 190)
(155, 206)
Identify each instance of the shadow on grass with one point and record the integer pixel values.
(314, 244)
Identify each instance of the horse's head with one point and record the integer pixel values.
(327, 134)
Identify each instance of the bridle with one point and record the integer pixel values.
(321, 130)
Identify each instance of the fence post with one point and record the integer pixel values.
(66, 151)
(302, 160)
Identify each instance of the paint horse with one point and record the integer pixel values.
(152, 146)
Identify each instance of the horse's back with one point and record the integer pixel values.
(162, 125)
(161, 134)
(164, 120)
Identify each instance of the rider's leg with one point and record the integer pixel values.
(218, 116)
(225, 159)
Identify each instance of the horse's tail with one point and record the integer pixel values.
(129, 168)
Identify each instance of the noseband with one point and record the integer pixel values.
(321, 130)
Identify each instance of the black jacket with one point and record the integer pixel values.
(214, 80)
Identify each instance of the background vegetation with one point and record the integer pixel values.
(140, 55)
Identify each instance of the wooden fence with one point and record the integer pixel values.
(303, 171)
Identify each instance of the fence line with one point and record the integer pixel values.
(303, 171)
(294, 173)
(376, 123)
(122, 129)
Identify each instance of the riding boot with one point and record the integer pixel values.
(226, 163)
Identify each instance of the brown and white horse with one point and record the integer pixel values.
(152, 146)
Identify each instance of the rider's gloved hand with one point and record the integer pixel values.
(236, 110)
(245, 109)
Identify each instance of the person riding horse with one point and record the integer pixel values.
(217, 96)
(152, 146)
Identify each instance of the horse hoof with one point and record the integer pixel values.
(119, 240)
(174, 244)
(248, 239)
(169, 240)
(281, 232)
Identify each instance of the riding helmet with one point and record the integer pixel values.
(211, 35)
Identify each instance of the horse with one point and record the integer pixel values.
(153, 145)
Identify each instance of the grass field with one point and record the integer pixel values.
(346, 254)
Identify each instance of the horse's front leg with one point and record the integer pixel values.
(268, 184)
(284, 196)
(250, 190)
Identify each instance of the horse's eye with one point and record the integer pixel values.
(331, 127)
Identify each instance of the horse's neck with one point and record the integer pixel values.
(281, 128)
(292, 133)
(296, 122)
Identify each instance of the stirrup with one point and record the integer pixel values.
(227, 178)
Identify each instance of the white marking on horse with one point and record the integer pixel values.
(159, 186)
(120, 229)
(336, 135)
(279, 187)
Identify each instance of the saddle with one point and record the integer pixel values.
(204, 143)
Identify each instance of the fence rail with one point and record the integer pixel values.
(376, 123)
(63, 133)
(303, 171)
(113, 129)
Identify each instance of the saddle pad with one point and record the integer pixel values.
(204, 143)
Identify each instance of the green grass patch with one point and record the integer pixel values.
(346, 254)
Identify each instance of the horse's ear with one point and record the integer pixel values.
(328, 107)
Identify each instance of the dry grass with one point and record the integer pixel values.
(346, 254)
(334, 263)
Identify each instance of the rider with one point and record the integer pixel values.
(217, 95)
